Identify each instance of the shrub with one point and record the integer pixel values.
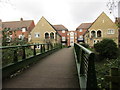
(107, 48)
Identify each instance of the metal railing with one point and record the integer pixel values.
(16, 57)
(86, 67)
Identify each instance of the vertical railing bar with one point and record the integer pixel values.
(23, 55)
(41, 48)
(34, 51)
(15, 59)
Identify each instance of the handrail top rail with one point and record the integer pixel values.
(85, 49)
(3, 47)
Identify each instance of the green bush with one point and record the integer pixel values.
(107, 48)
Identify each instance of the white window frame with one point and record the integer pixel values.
(24, 30)
(81, 30)
(37, 35)
(21, 36)
(111, 31)
(63, 31)
(63, 38)
(80, 37)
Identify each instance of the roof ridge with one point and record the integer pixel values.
(16, 21)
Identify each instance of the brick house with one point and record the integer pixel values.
(18, 29)
(117, 22)
(62, 30)
(71, 38)
(102, 27)
(81, 29)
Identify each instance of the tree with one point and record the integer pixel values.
(107, 48)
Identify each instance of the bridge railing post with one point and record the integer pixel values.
(114, 79)
(48, 46)
(23, 55)
(41, 48)
(85, 63)
(15, 58)
(34, 50)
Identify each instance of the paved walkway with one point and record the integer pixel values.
(57, 70)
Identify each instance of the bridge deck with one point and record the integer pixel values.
(57, 70)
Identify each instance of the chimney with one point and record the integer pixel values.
(21, 19)
(119, 9)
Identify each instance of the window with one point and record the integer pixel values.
(75, 33)
(72, 38)
(93, 34)
(63, 31)
(63, 39)
(80, 37)
(95, 41)
(23, 29)
(111, 31)
(37, 35)
(80, 30)
(52, 35)
(98, 33)
(72, 33)
(21, 37)
(46, 35)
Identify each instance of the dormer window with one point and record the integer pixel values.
(81, 30)
(24, 30)
(63, 31)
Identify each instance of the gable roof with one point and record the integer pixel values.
(60, 27)
(84, 26)
(15, 25)
(103, 13)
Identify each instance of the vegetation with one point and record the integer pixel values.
(103, 68)
(109, 57)
(106, 49)
(7, 40)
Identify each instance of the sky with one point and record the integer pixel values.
(70, 13)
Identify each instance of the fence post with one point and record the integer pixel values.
(114, 79)
(34, 52)
(23, 56)
(15, 59)
(41, 48)
(48, 47)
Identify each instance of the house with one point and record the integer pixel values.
(71, 38)
(62, 30)
(44, 32)
(18, 29)
(117, 22)
(102, 27)
(81, 29)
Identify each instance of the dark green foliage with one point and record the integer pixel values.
(107, 48)
(85, 45)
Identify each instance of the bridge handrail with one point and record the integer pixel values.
(86, 69)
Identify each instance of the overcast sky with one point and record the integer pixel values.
(70, 13)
